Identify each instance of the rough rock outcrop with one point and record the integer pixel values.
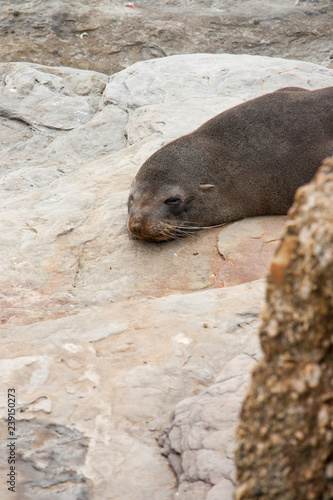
(285, 437)
(109, 36)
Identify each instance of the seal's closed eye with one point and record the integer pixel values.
(173, 201)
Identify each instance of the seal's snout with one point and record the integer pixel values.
(135, 227)
(150, 229)
(139, 226)
(138, 216)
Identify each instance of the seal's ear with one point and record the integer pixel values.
(206, 187)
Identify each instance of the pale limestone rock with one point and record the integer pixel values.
(116, 385)
(199, 441)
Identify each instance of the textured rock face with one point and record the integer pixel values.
(199, 441)
(54, 470)
(285, 438)
(109, 36)
(102, 336)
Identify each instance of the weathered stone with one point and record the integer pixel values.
(199, 441)
(109, 378)
(109, 36)
(291, 394)
(61, 452)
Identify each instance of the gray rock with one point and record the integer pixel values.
(116, 392)
(109, 36)
(199, 441)
(61, 452)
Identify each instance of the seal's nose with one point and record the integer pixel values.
(135, 227)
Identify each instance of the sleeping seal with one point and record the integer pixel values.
(247, 161)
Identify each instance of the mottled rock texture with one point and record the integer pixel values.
(285, 437)
(108, 36)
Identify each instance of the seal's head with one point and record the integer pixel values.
(168, 194)
(158, 214)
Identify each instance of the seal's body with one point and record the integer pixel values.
(247, 161)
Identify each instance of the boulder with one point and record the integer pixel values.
(285, 436)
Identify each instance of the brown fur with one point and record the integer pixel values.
(246, 161)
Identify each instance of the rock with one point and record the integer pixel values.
(102, 336)
(199, 441)
(284, 439)
(259, 236)
(61, 452)
(108, 37)
(105, 381)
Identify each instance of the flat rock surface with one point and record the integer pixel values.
(102, 336)
(246, 247)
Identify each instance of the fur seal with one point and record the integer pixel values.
(247, 161)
